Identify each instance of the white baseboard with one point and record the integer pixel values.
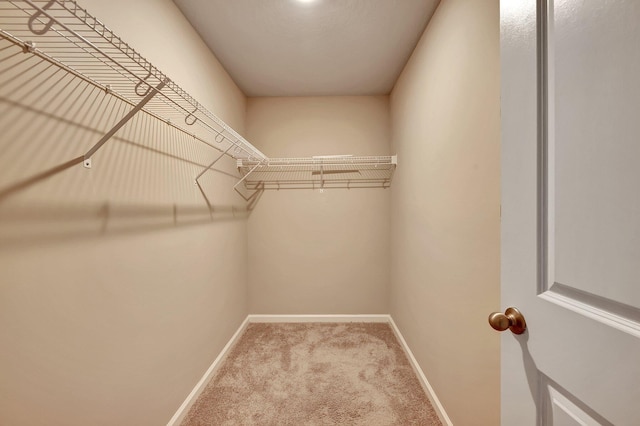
(382, 318)
(208, 375)
(319, 318)
(444, 418)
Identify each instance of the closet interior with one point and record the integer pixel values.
(148, 207)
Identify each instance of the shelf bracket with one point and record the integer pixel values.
(122, 122)
(214, 162)
(235, 187)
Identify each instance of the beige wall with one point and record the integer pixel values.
(312, 252)
(118, 286)
(446, 207)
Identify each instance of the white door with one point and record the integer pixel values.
(571, 211)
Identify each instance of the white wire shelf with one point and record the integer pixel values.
(66, 35)
(318, 172)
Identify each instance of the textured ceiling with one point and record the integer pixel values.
(304, 48)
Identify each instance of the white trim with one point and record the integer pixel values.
(444, 418)
(208, 375)
(319, 318)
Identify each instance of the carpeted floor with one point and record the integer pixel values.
(314, 374)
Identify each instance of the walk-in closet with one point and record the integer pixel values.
(190, 188)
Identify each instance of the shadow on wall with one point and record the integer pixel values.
(142, 179)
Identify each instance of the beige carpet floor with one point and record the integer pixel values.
(314, 374)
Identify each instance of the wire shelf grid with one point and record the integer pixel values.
(318, 172)
(65, 34)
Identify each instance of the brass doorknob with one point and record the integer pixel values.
(511, 319)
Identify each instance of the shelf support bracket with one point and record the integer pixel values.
(122, 122)
(214, 162)
(235, 187)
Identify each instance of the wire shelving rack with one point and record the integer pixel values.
(65, 35)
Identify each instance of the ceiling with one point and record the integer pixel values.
(311, 47)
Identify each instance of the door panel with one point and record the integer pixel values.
(563, 412)
(571, 211)
(594, 69)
